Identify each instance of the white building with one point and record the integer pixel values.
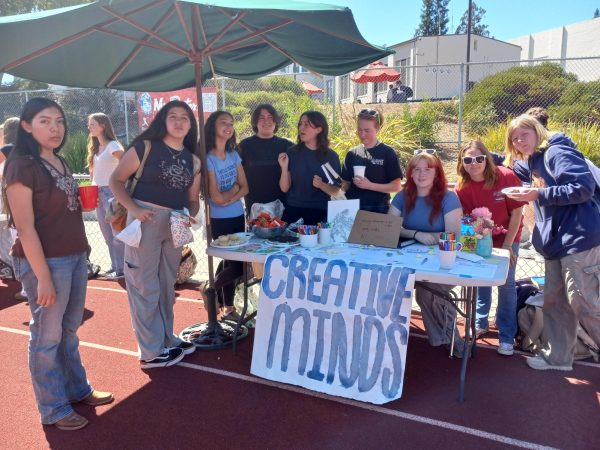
(581, 39)
(431, 67)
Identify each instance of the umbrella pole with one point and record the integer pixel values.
(213, 334)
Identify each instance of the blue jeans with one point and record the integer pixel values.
(56, 371)
(506, 314)
(116, 248)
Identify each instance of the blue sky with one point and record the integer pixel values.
(392, 21)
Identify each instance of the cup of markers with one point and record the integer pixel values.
(448, 246)
(324, 233)
(308, 235)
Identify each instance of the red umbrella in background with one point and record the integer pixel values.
(311, 88)
(375, 73)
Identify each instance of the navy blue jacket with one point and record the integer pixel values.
(567, 221)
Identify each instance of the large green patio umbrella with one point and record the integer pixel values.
(164, 45)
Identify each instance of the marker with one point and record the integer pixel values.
(465, 276)
(424, 261)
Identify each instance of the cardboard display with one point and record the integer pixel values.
(382, 230)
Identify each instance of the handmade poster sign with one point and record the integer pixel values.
(334, 326)
(381, 230)
(341, 214)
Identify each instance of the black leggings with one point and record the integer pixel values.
(228, 273)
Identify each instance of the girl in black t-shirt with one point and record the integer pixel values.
(302, 174)
(382, 173)
(50, 262)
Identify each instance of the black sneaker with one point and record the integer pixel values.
(187, 347)
(169, 357)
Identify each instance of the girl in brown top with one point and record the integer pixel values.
(50, 262)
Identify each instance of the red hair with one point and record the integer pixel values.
(438, 190)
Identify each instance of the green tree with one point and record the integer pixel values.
(596, 13)
(477, 25)
(434, 18)
(10, 7)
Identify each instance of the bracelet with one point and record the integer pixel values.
(415, 234)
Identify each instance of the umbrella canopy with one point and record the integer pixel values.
(376, 73)
(157, 45)
(311, 88)
(165, 45)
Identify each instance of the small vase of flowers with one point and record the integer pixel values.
(485, 229)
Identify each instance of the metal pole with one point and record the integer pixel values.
(334, 103)
(460, 103)
(469, 41)
(126, 117)
(223, 93)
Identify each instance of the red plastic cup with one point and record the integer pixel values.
(89, 196)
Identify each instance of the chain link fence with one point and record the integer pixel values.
(442, 106)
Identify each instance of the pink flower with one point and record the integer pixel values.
(482, 213)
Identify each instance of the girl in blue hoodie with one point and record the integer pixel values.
(566, 233)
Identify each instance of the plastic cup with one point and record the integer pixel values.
(324, 236)
(359, 171)
(447, 259)
(88, 196)
(309, 240)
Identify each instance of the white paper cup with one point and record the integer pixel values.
(324, 236)
(447, 259)
(309, 240)
(359, 171)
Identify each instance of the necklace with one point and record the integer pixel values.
(174, 152)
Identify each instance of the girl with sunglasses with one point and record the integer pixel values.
(382, 174)
(428, 208)
(480, 183)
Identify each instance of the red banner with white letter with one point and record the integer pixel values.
(149, 103)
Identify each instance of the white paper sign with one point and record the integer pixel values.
(334, 326)
(341, 214)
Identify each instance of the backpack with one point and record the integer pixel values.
(187, 265)
(533, 338)
(595, 171)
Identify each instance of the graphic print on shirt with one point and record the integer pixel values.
(226, 177)
(175, 174)
(67, 184)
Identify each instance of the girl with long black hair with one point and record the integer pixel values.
(49, 257)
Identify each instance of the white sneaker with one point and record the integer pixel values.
(539, 363)
(506, 349)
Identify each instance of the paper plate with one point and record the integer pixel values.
(514, 190)
(245, 237)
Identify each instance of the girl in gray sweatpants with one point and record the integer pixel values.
(169, 181)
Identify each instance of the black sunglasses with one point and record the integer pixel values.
(473, 159)
(370, 113)
(429, 151)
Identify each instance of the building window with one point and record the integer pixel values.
(329, 90)
(381, 87)
(404, 70)
(345, 86)
(361, 89)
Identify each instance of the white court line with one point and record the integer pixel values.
(365, 406)
(122, 291)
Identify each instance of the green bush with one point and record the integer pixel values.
(580, 102)
(424, 122)
(395, 132)
(514, 91)
(494, 137)
(587, 138)
(480, 119)
(75, 152)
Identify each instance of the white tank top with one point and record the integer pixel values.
(105, 163)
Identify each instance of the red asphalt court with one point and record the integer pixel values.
(211, 401)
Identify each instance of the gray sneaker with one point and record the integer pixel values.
(539, 363)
